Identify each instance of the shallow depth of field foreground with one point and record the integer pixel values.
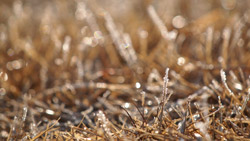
(124, 70)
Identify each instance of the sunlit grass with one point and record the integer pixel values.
(124, 70)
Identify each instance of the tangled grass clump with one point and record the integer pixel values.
(124, 70)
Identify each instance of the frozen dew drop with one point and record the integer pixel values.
(238, 86)
(189, 67)
(101, 85)
(87, 139)
(9, 66)
(17, 64)
(90, 41)
(170, 109)
(196, 117)
(197, 135)
(179, 21)
(4, 134)
(213, 107)
(120, 79)
(49, 112)
(200, 125)
(66, 44)
(156, 132)
(3, 76)
(181, 61)
(172, 35)
(126, 105)
(220, 59)
(2, 92)
(98, 35)
(58, 61)
(137, 85)
(25, 110)
(228, 4)
(126, 45)
(149, 102)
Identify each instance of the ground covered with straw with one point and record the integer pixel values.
(124, 70)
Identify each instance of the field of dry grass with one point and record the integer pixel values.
(124, 70)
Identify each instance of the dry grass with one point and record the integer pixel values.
(124, 70)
